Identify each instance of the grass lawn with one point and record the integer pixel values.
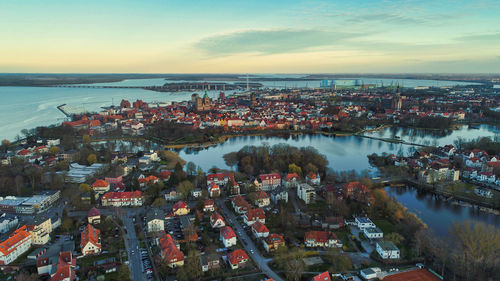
(384, 225)
(89, 261)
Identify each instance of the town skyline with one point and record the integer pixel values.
(250, 37)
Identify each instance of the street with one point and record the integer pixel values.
(250, 247)
(132, 245)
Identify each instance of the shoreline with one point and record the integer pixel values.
(225, 137)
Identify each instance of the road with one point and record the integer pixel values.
(250, 247)
(132, 244)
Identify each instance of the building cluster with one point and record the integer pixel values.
(37, 233)
(286, 109)
(29, 205)
(449, 164)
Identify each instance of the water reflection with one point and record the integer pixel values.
(438, 214)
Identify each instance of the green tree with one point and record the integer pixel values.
(292, 168)
(124, 273)
(395, 237)
(86, 139)
(54, 150)
(91, 159)
(184, 188)
(190, 168)
(84, 188)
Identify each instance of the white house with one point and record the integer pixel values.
(306, 193)
(373, 232)
(216, 220)
(387, 250)
(370, 273)
(227, 236)
(364, 222)
(155, 221)
(196, 193)
(7, 221)
(260, 230)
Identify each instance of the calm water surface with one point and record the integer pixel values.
(350, 153)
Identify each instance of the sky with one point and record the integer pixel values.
(270, 36)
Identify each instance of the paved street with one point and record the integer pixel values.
(132, 244)
(250, 247)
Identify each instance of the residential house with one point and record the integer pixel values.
(213, 190)
(40, 230)
(209, 262)
(170, 250)
(94, 216)
(306, 193)
(262, 199)
(90, 242)
(237, 258)
(61, 269)
(279, 194)
(273, 242)
(155, 221)
(15, 245)
(254, 215)
(333, 223)
(325, 276)
(180, 208)
(387, 250)
(100, 186)
(321, 239)
(313, 178)
(221, 179)
(227, 236)
(208, 205)
(370, 273)
(240, 205)
(172, 195)
(122, 199)
(364, 222)
(259, 230)
(357, 191)
(145, 181)
(290, 180)
(196, 193)
(216, 220)
(373, 232)
(7, 221)
(269, 181)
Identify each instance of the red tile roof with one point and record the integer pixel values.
(319, 236)
(237, 256)
(179, 205)
(260, 227)
(262, 194)
(94, 212)
(325, 276)
(169, 249)
(254, 214)
(269, 177)
(90, 234)
(122, 195)
(291, 176)
(100, 183)
(227, 232)
(9, 245)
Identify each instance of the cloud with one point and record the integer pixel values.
(274, 41)
(386, 18)
(487, 38)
